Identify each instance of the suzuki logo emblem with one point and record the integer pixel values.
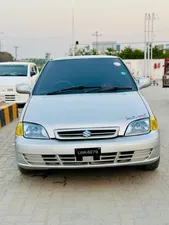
(86, 133)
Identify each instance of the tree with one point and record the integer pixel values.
(158, 53)
(138, 54)
(127, 53)
(166, 55)
(110, 51)
(6, 57)
(83, 51)
(39, 62)
(94, 52)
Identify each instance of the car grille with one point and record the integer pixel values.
(83, 134)
(9, 98)
(105, 158)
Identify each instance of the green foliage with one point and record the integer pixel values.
(111, 51)
(40, 68)
(39, 62)
(138, 54)
(166, 54)
(157, 53)
(83, 51)
(129, 53)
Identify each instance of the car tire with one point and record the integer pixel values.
(152, 166)
(23, 171)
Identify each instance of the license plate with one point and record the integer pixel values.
(88, 152)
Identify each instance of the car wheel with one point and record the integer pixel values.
(23, 171)
(152, 166)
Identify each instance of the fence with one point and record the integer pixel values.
(136, 67)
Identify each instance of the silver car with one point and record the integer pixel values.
(86, 112)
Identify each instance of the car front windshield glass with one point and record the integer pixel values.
(13, 70)
(85, 73)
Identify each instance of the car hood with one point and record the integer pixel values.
(85, 110)
(5, 81)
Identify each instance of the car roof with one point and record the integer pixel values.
(85, 57)
(16, 63)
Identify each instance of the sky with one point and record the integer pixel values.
(40, 26)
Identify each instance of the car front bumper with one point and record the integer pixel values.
(14, 97)
(121, 151)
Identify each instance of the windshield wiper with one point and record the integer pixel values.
(13, 75)
(113, 89)
(73, 88)
(20, 75)
(6, 75)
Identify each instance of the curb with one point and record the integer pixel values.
(8, 113)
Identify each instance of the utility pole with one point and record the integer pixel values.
(145, 43)
(73, 27)
(154, 17)
(148, 66)
(16, 52)
(97, 35)
(149, 39)
(47, 56)
(152, 33)
(1, 33)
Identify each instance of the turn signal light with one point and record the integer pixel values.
(153, 124)
(19, 129)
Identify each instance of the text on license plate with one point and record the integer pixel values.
(88, 152)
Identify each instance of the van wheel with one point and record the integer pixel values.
(152, 166)
(23, 171)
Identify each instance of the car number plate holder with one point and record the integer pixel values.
(87, 154)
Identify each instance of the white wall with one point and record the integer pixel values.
(136, 67)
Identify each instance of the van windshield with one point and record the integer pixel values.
(13, 70)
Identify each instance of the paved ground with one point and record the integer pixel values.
(97, 197)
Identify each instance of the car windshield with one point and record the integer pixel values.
(87, 75)
(13, 70)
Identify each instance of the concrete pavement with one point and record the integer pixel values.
(117, 196)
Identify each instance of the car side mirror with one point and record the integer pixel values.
(144, 82)
(23, 89)
(33, 73)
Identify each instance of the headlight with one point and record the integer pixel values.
(32, 131)
(138, 127)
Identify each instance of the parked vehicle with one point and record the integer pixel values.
(13, 73)
(86, 112)
(165, 79)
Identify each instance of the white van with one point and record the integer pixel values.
(13, 73)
